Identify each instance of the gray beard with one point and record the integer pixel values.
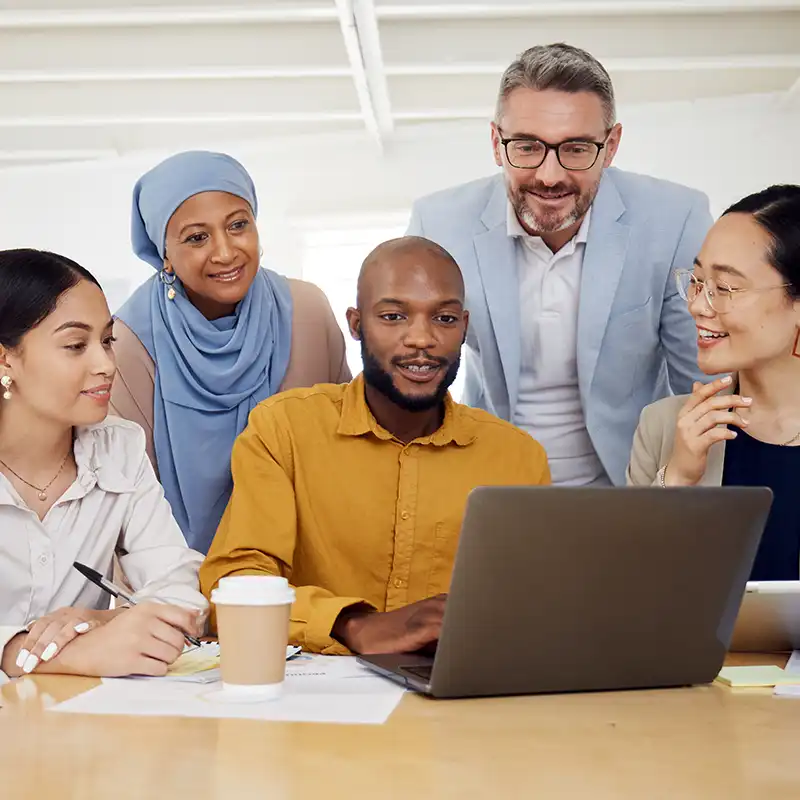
(550, 223)
(545, 224)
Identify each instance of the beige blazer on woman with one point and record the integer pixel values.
(317, 356)
(655, 437)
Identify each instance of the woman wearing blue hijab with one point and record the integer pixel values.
(212, 333)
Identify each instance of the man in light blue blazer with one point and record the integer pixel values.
(576, 321)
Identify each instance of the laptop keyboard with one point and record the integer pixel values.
(420, 672)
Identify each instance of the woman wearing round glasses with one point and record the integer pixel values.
(741, 430)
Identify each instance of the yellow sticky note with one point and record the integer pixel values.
(192, 662)
(756, 676)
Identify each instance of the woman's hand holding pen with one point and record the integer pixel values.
(143, 640)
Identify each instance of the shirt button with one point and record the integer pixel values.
(43, 559)
(398, 583)
(405, 515)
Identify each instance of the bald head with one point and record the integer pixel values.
(408, 254)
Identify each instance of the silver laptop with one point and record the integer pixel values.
(769, 619)
(587, 589)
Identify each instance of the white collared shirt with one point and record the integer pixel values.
(116, 504)
(549, 402)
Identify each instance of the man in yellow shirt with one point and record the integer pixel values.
(356, 493)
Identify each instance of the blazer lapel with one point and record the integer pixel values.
(715, 465)
(495, 251)
(603, 261)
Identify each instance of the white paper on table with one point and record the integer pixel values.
(789, 690)
(318, 689)
(793, 665)
(207, 653)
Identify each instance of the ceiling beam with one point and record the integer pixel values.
(83, 121)
(440, 114)
(376, 73)
(170, 74)
(319, 11)
(463, 9)
(675, 63)
(359, 27)
(155, 16)
(77, 154)
(369, 37)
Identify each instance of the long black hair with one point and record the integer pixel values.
(31, 283)
(777, 210)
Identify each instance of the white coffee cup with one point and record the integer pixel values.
(253, 629)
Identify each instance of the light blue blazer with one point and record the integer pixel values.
(637, 342)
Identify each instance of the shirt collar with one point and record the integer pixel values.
(514, 228)
(95, 468)
(8, 497)
(94, 456)
(358, 420)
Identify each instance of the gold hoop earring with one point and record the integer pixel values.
(6, 382)
(162, 276)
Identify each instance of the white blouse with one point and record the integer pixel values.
(116, 504)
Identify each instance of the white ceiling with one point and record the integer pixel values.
(92, 78)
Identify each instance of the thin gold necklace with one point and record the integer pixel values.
(42, 491)
(792, 440)
(780, 444)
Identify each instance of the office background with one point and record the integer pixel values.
(345, 111)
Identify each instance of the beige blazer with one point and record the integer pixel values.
(317, 356)
(654, 438)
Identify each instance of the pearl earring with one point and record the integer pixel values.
(6, 382)
(168, 278)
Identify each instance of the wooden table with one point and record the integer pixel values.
(706, 742)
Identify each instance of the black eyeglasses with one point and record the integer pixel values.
(575, 155)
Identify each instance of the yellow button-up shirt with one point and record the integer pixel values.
(347, 513)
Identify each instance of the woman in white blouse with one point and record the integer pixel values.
(77, 486)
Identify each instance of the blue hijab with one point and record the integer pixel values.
(209, 374)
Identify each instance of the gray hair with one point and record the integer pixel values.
(561, 67)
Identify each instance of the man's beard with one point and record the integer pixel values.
(380, 380)
(554, 221)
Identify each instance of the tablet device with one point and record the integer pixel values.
(769, 618)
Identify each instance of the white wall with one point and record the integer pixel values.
(725, 147)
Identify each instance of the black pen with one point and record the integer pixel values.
(98, 580)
